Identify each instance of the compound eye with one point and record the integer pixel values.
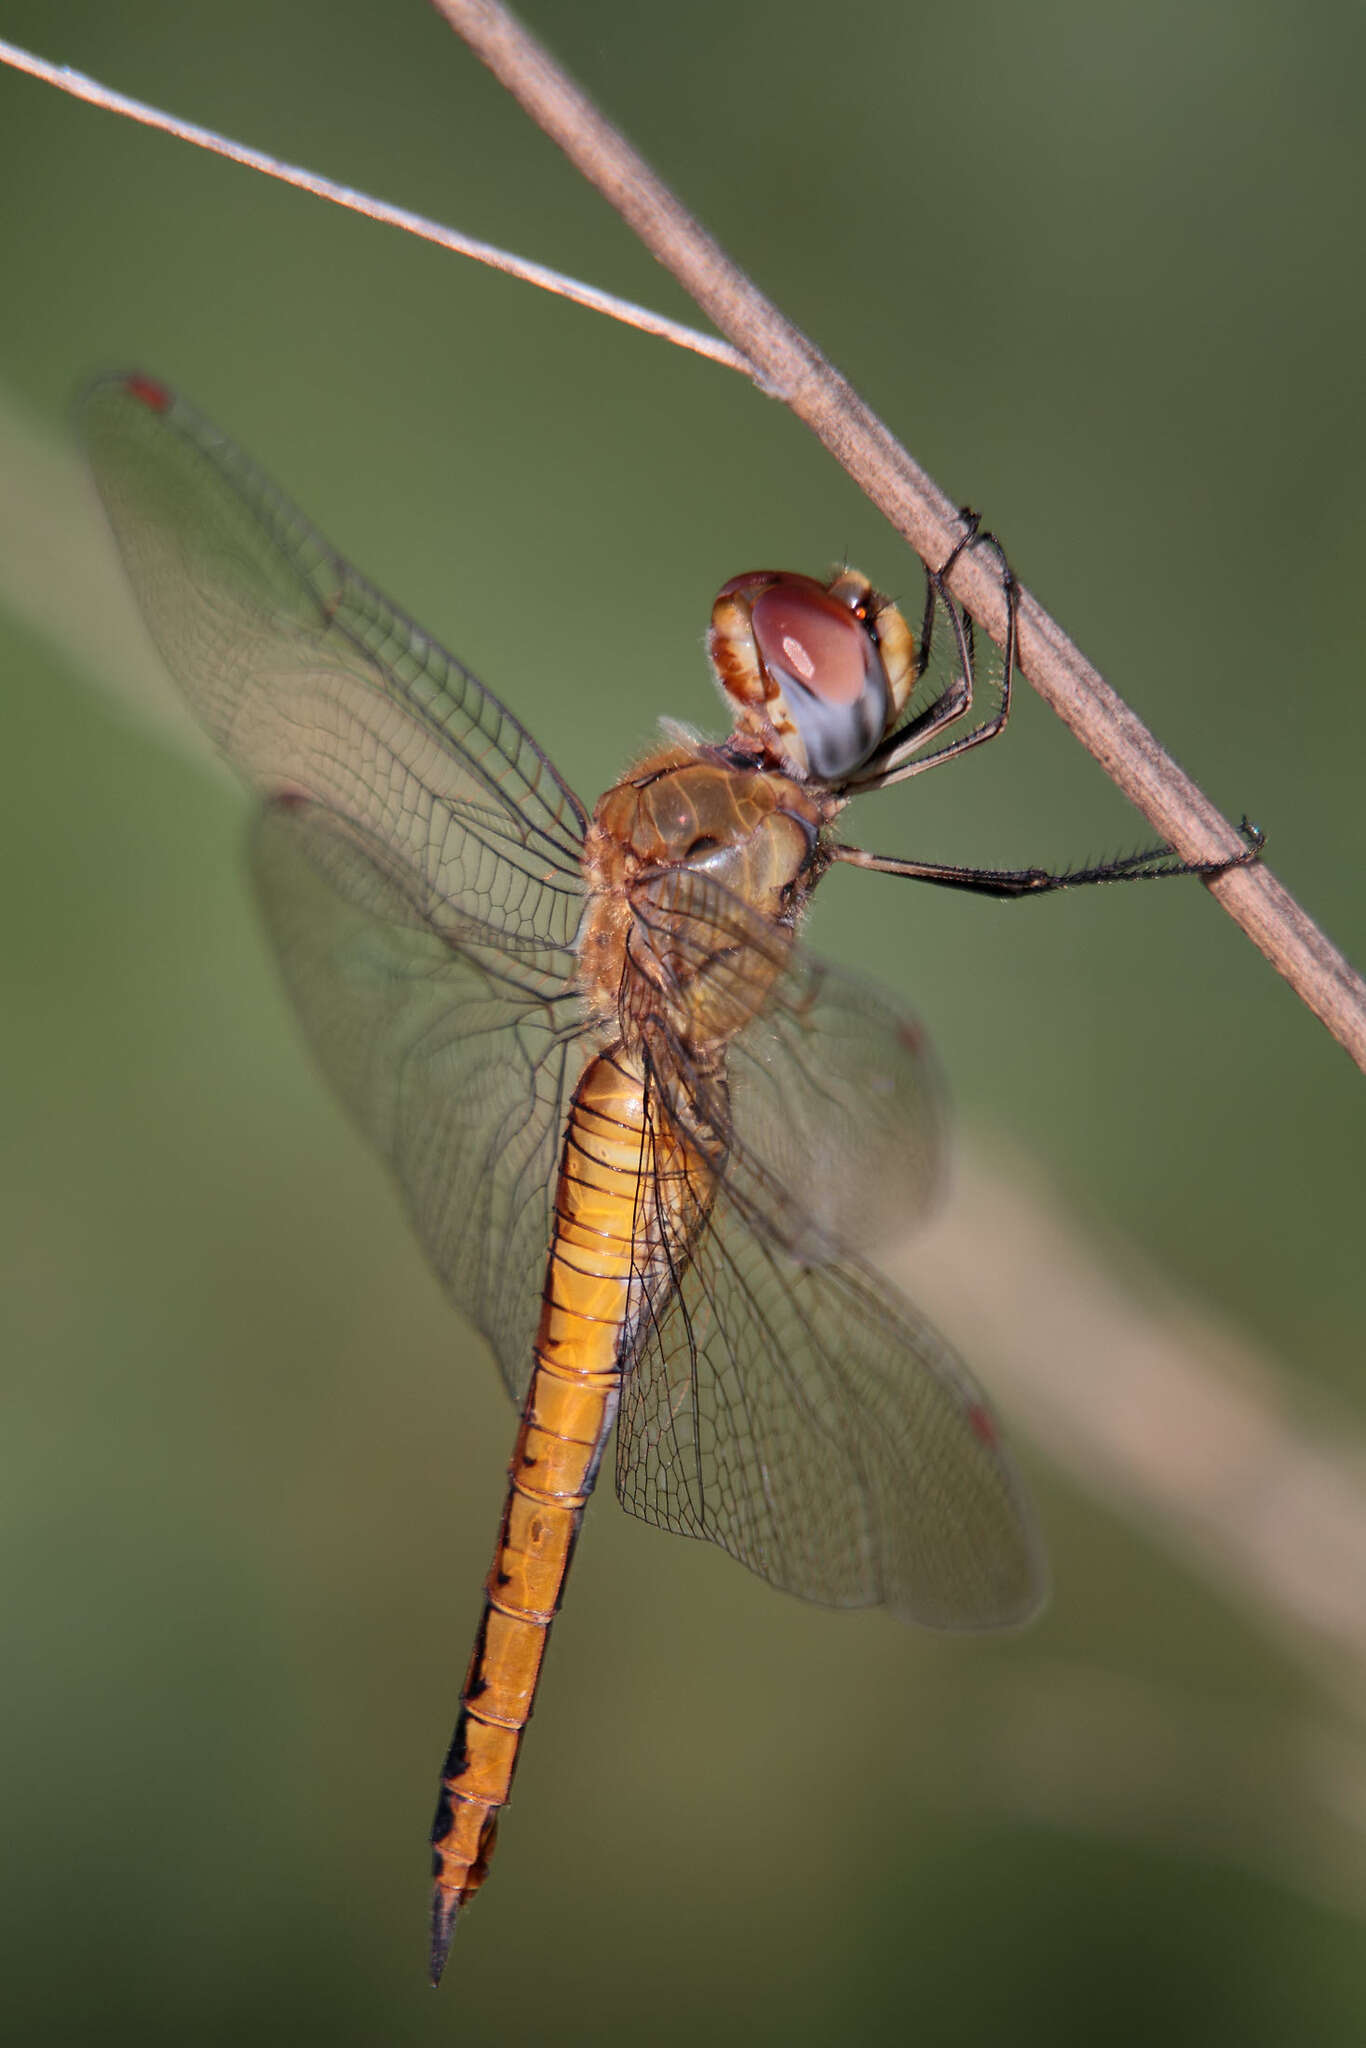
(828, 671)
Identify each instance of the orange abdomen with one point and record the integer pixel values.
(570, 1406)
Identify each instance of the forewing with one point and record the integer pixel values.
(780, 1398)
(458, 1066)
(313, 684)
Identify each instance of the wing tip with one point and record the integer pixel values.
(1007, 1602)
(116, 387)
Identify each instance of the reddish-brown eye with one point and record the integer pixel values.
(827, 670)
(804, 635)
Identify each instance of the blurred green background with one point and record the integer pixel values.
(1102, 270)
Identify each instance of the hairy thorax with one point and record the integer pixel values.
(698, 868)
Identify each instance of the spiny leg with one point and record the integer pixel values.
(901, 754)
(1150, 864)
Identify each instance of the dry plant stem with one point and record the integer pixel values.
(95, 94)
(791, 368)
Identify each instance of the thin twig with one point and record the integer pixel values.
(793, 369)
(80, 87)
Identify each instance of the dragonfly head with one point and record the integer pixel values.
(815, 672)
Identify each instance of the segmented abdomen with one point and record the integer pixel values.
(595, 1280)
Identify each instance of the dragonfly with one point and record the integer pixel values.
(648, 1142)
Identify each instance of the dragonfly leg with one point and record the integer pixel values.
(1149, 864)
(902, 754)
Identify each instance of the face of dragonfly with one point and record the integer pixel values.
(460, 937)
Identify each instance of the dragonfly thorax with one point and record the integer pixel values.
(689, 860)
(754, 829)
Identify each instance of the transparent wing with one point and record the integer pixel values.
(457, 1064)
(833, 1084)
(837, 1097)
(805, 1418)
(781, 1399)
(313, 684)
(419, 864)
